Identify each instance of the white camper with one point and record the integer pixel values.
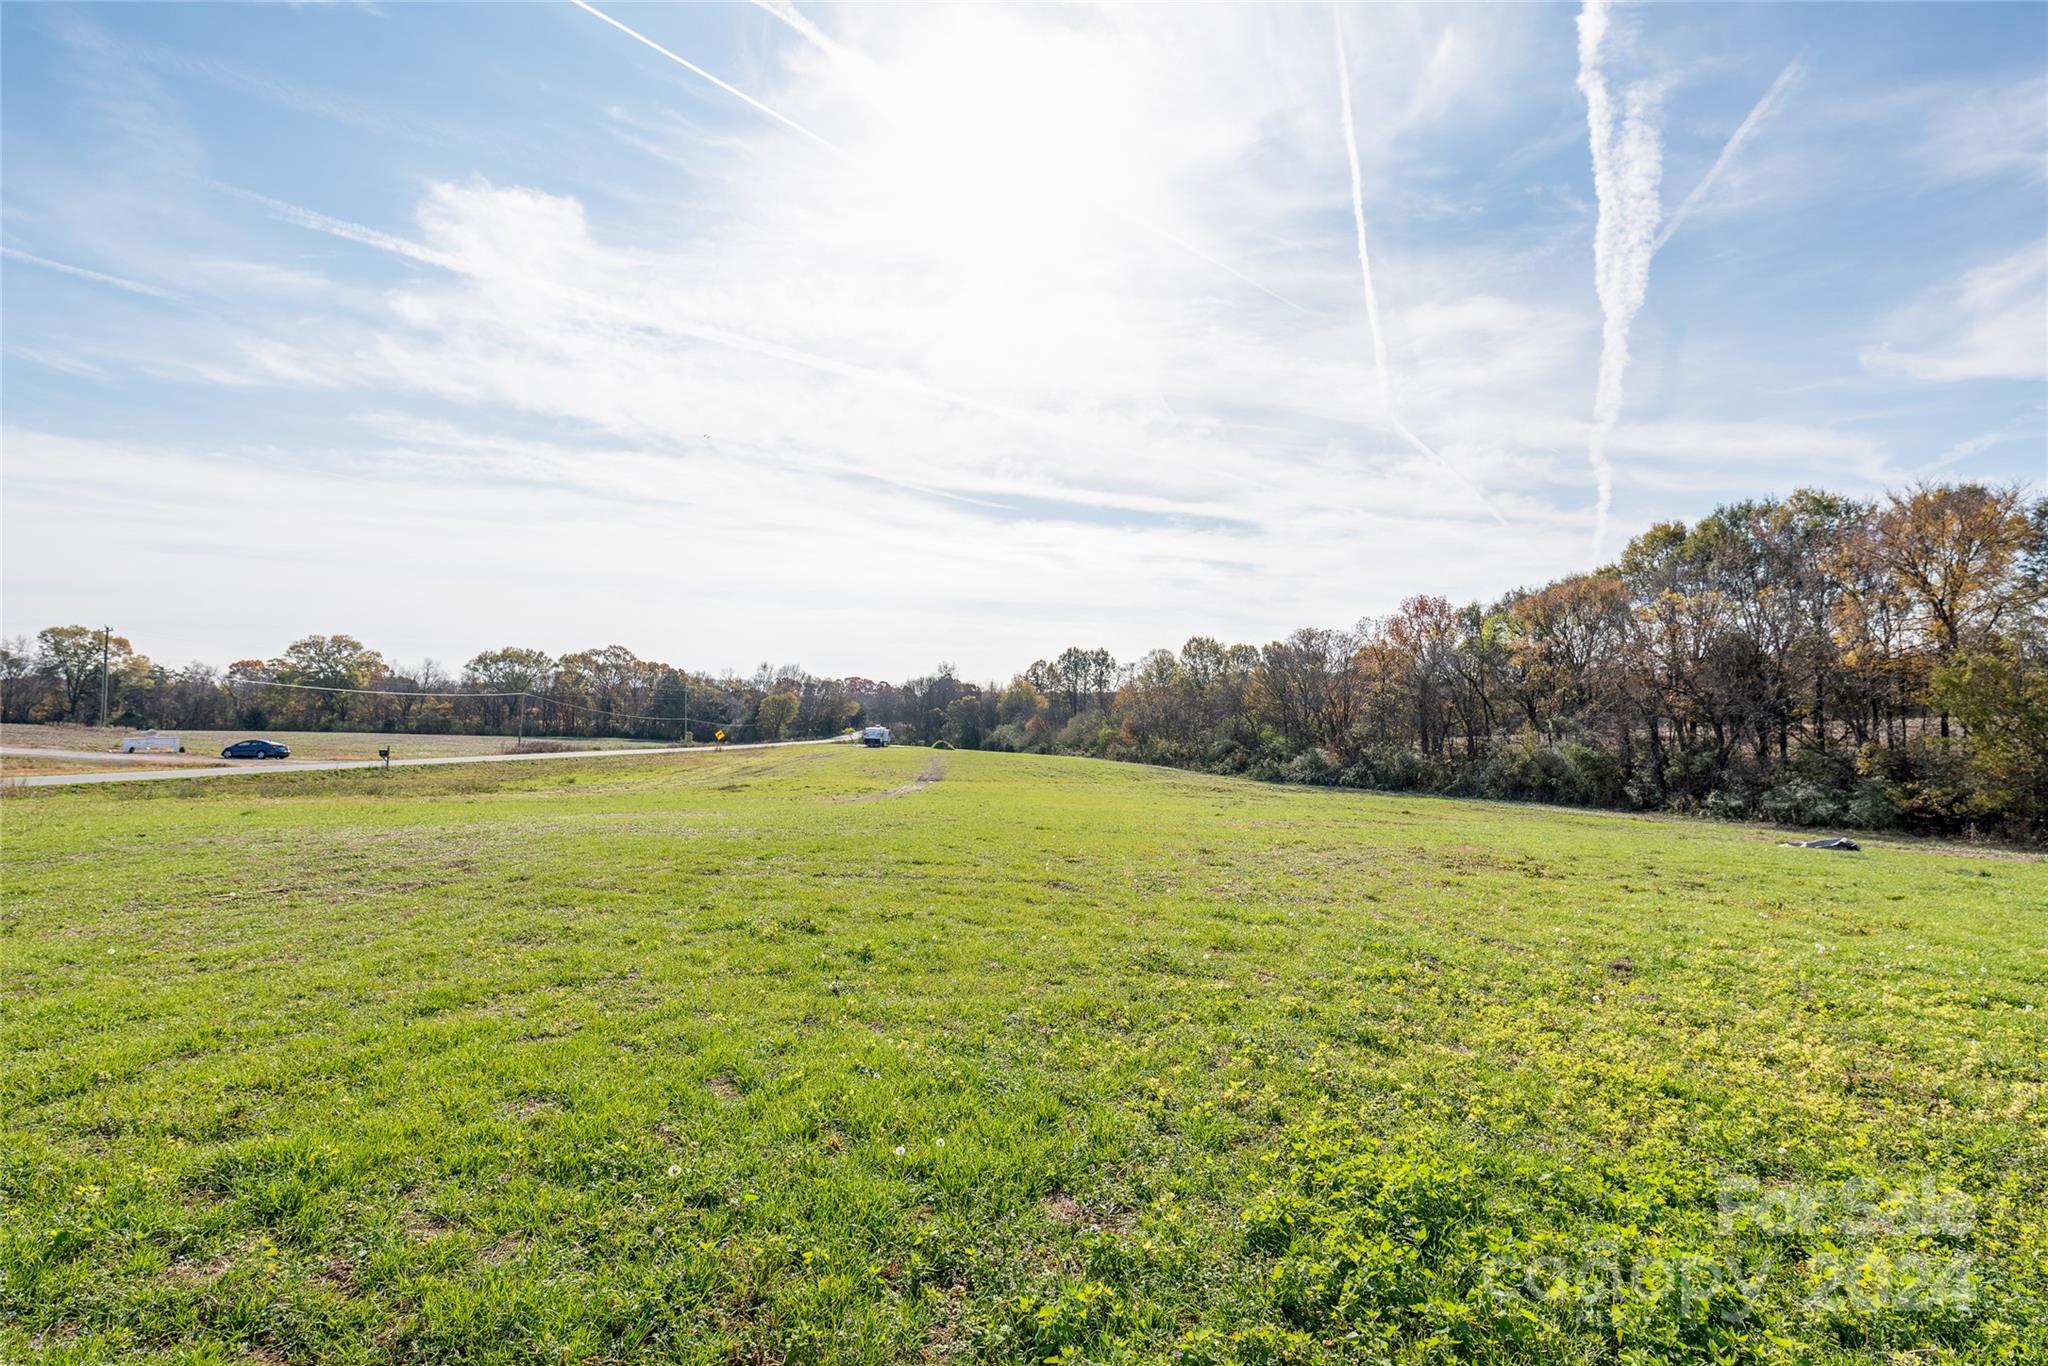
(151, 743)
(875, 737)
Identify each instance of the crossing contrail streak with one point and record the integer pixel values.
(694, 69)
(788, 13)
(1204, 257)
(1372, 302)
(342, 228)
(80, 272)
(1765, 108)
(1627, 165)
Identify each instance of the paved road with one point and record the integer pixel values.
(166, 772)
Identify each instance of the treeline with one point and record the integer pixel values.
(339, 683)
(1814, 660)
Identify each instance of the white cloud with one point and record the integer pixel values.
(671, 554)
(969, 298)
(1991, 324)
(1066, 344)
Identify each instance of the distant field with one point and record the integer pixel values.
(844, 1055)
(304, 744)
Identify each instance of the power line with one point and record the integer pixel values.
(363, 692)
(604, 711)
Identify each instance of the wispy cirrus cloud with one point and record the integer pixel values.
(1973, 129)
(1990, 324)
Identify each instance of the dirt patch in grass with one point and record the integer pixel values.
(1064, 1208)
(1069, 1210)
(422, 1227)
(339, 1274)
(933, 772)
(188, 1272)
(502, 1251)
(943, 1341)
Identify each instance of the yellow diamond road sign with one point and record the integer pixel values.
(718, 735)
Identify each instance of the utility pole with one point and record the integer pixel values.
(106, 633)
(522, 718)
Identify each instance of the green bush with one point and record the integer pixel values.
(1871, 806)
(1088, 732)
(1804, 803)
(1312, 765)
(1728, 805)
(1394, 768)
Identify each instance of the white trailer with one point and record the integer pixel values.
(151, 743)
(875, 737)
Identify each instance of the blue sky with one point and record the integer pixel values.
(967, 334)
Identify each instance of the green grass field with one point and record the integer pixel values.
(833, 1054)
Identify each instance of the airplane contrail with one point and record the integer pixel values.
(98, 277)
(342, 228)
(1764, 109)
(1627, 166)
(694, 69)
(1204, 257)
(787, 12)
(1372, 303)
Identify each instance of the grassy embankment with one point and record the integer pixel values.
(793, 1055)
(305, 744)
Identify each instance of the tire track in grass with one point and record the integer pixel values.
(933, 772)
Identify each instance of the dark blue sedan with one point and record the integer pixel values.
(256, 749)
